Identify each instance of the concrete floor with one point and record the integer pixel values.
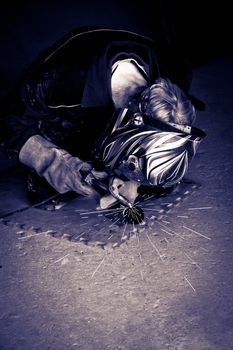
(73, 278)
(68, 281)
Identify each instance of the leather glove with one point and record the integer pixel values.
(62, 171)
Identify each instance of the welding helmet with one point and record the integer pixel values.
(140, 148)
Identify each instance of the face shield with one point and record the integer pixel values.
(141, 148)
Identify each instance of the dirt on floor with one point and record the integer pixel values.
(75, 278)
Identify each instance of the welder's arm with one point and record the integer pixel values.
(62, 171)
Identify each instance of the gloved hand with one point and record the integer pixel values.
(62, 171)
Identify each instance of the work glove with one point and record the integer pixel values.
(61, 170)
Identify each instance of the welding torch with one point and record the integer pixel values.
(113, 186)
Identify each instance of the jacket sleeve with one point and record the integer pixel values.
(33, 108)
(22, 112)
(62, 171)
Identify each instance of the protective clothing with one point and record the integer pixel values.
(62, 171)
(146, 150)
(65, 95)
(64, 101)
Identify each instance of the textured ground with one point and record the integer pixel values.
(71, 279)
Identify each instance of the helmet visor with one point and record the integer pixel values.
(148, 151)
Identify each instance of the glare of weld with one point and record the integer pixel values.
(197, 233)
(149, 204)
(192, 261)
(84, 217)
(148, 198)
(166, 222)
(137, 219)
(140, 255)
(169, 233)
(134, 228)
(114, 222)
(114, 214)
(110, 236)
(154, 209)
(170, 230)
(97, 268)
(37, 234)
(134, 215)
(83, 233)
(154, 246)
(190, 284)
(56, 261)
(80, 210)
(201, 208)
(183, 216)
(123, 234)
(115, 211)
(100, 211)
(205, 250)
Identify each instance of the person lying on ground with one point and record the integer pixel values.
(101, 103)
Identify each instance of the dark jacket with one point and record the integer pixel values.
(65, 94)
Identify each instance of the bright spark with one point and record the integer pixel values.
(190, 284)
(36, 234)
(197, 233)
(192, 261)
(56, 261)
(97, 268)
(123, 234)
(201, 208)
(154, 246)
(98, 211)
(114, 222)
(170, 230)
